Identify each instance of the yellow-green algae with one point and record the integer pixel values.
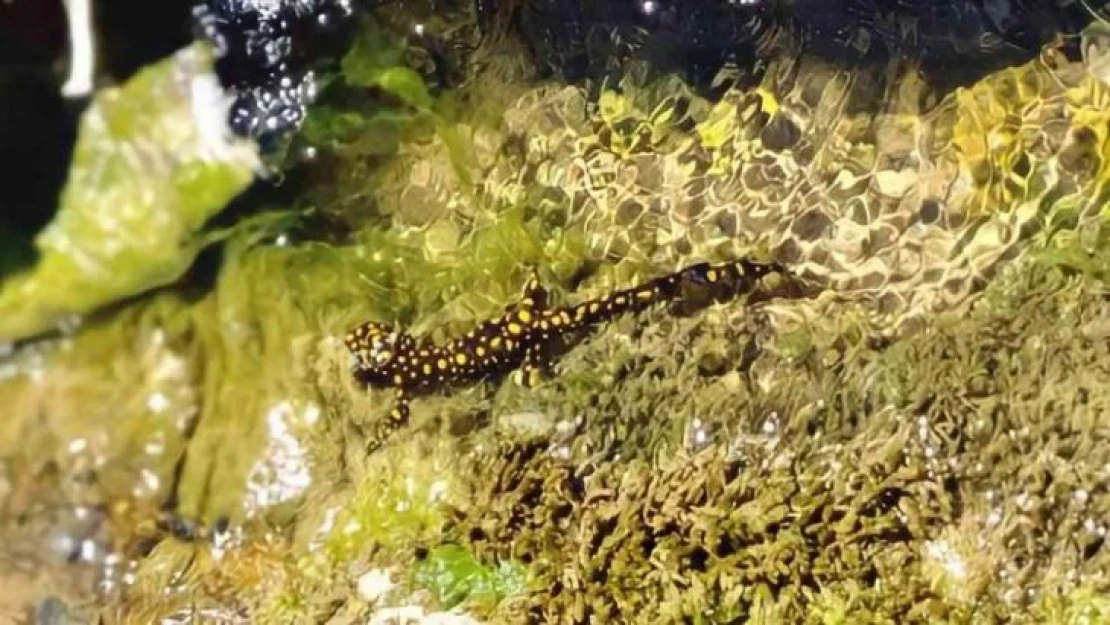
(153, 162)
(769, 463)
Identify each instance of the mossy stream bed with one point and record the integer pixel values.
(924, 437)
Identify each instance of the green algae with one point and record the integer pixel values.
(392, 507)
(376, 61)
(260, 350)
(377, 103)
(263, 339)
(366, 125)
(455, 577)
(1080, 607)
(151, 165)
(856, 549)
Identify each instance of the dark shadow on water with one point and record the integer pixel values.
(952, 43)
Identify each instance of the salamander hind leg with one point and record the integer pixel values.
(701, 273)
(741, 274)
(534, 368)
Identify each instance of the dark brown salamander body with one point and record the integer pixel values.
(387, 358)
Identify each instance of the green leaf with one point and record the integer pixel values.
(368, 55)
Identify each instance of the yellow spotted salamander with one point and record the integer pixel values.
(387, 358)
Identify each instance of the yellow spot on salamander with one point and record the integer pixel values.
(460, 358)
(514, 328)
(427, 368)
(441, 363)
(398, 379)
(645, 294)
(711, 275)
(495, 342)
(620, 300)
(524, 316)
(481, 351)
(594, 307)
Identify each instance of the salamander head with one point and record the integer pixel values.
(373, 347)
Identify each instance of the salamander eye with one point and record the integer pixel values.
(381, 349)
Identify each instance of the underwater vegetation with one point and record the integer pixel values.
(924, 439)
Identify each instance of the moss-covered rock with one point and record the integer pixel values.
(935, 478)
(153, 162)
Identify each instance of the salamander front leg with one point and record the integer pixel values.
(533, 295)
(397, 418)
